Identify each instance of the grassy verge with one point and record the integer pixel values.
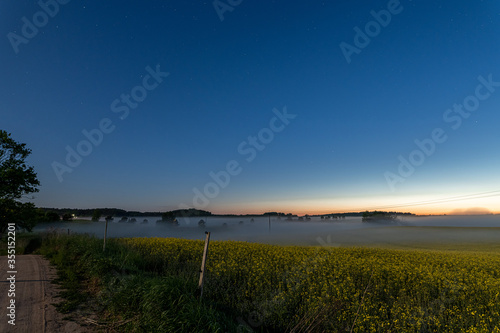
(26, 243)
(126, 294)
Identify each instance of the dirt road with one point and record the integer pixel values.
(34, 296)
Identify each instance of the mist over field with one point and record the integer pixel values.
(408, 231)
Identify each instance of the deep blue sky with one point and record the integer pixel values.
(225, 78)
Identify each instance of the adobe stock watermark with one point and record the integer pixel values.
(248, 149)
(254, 321)
(449, 296)
(30, 28)
(454, 117)
(221, 7)
(295, 277)
(372, 29)
(11, 273)
(121, 106)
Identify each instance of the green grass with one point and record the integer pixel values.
(126, 293)
(148, 285)
(26, 243)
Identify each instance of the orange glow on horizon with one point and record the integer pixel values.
(301, 210)
(452, 203)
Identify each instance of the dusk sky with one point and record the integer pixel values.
(247, 106)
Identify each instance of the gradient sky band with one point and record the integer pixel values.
(121, 106)
(453, 116)
(249, 148)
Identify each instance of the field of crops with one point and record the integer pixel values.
(286, 288)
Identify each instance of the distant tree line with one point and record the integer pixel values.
(171, 215)
(364, 213)
(97, 213)
(253, 215)
(66, 214)
(379, 215)
(103, 211)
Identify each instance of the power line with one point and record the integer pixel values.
(444, 200)
(455, 198)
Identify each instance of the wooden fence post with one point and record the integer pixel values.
(203, 263)
(105, 233)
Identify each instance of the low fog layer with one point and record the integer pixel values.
(348, 232)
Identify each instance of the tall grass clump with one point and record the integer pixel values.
(128, 292)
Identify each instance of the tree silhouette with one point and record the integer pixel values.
(17, 179)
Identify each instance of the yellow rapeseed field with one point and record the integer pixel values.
(290, 288)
